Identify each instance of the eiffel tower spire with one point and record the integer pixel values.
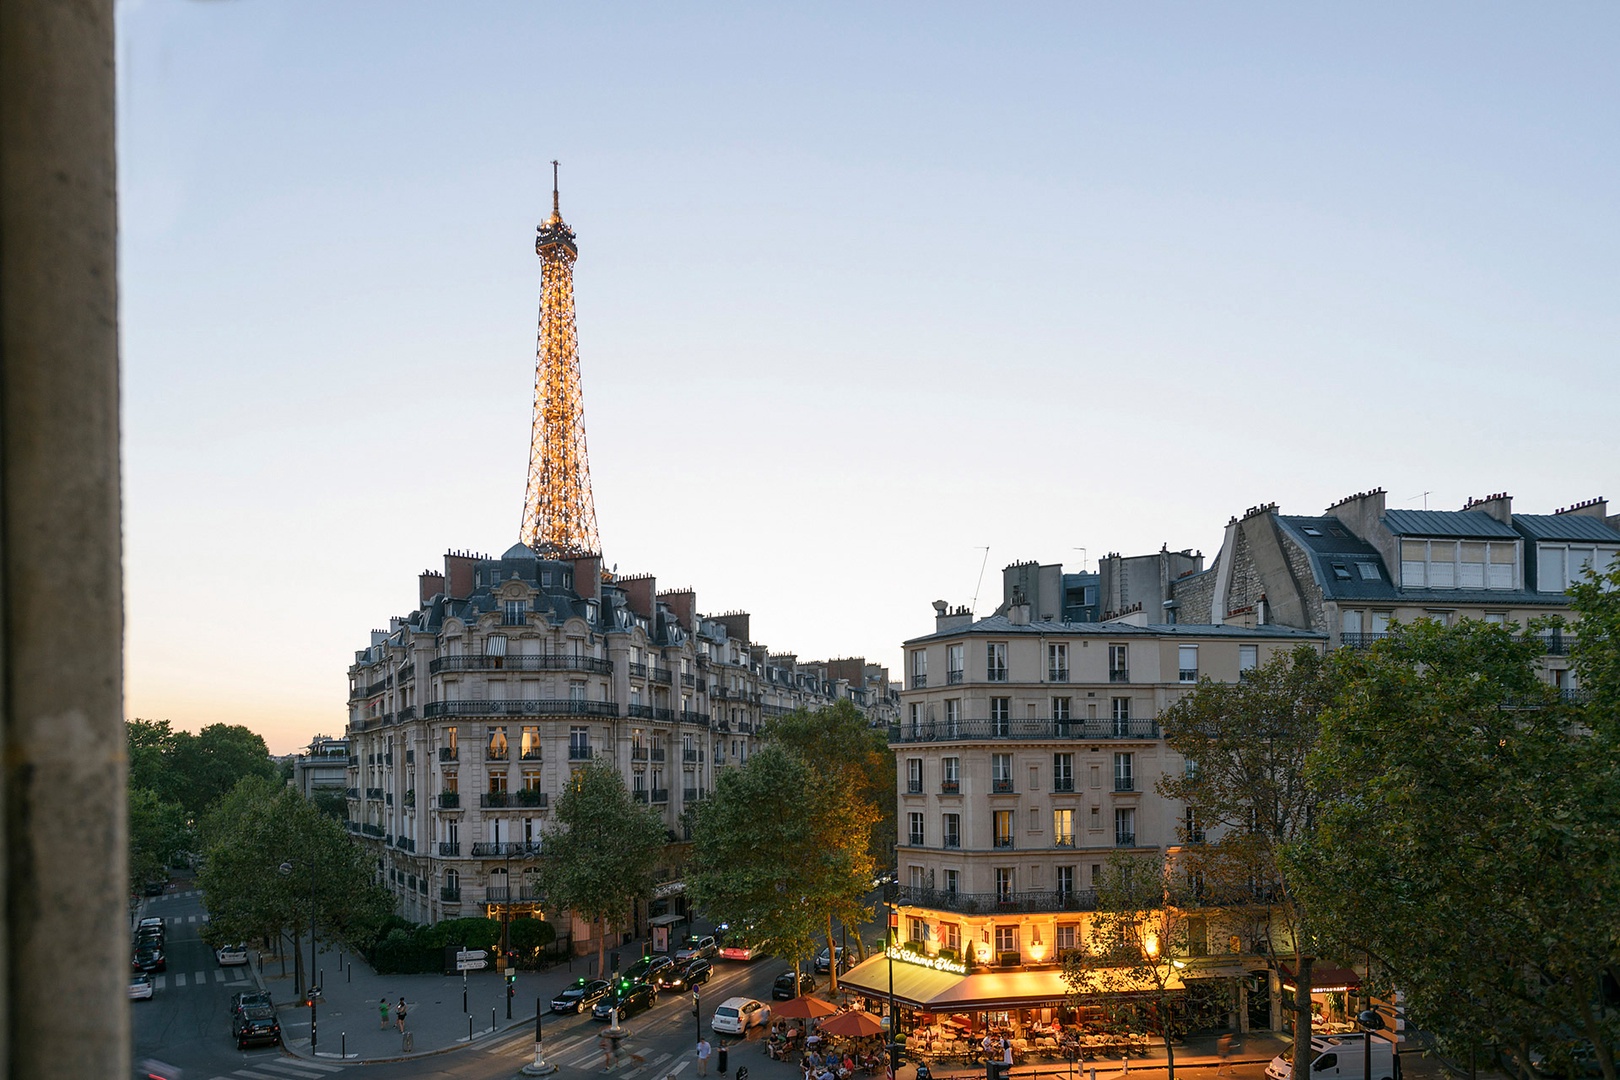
(559, 514)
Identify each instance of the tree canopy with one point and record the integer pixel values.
(598, 858)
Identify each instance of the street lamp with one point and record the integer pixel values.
(286, 869)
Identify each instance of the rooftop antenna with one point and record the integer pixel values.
(975, 607)
(1424, 497)
(1085, 560)
(554, 205)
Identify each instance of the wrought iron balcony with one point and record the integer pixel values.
(579, 753)
(372, 830)
(407, 671)
(449, 800)
(951, 843)
(531, 797)
(1063, 785)
(1124, 839)
(410, 757)
(449, 847)
(374, 792)
(1057, 674)
(504, 849)
(639, 795)
(659, 753)
(954, 677)
(916, 839)
(542, 662)
(950, 787)
(451, 893)
(1124, 783)
(1015, 728)
(691, 757)
(405, 843)
(989, 903)
(531, 754)
(663, 675)
(407, 714)
(495, 800)
(1001, 786)
(449, 753)
(513, 707)
(639, 712)
(1002, 842)
(918, 682)
(693, 716)
(691, 794)
(914, 787)
(666, 715)
(638, 753)
(660, 795)
(638, 671)
(1119, 675)
(688, 679)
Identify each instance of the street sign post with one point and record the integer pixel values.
(472, 959)
(471, 965)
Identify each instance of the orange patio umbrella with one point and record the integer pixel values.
(854, 1024)
(803, 1008)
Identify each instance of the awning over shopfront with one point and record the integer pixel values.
(1325, 979)
(942, 991)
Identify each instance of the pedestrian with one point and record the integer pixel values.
(703, 1049)
(382, 1013)
(1223, 1050)
(607, 1052)
(399, 1014)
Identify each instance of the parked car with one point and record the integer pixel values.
(154, 888)
(694, 972)
(824, 960)
(148, 958)
(140, 986)
(792, 984)
(151, 922)
(231, 955)
(703, 945)
(736, 1015)
(629, 1000)
(644, 970)
(249, 999)
(582, 995)
(256, 1024)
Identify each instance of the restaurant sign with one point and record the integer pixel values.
(938, 963)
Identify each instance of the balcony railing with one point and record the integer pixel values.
(1002, 842)
(1057, 674)
(451, 893)
(1063, 840)
(449, 753)
(352, 793)
(1124, 839)
(660, 795)
(638, 671)
(916, 839)
(951, 843)
(544, 707)
(954, 677)
(1124, 783)
(914, 787)
(374, 792)
(354, 761)
(663, 675)
(531, 754)
(449, 800)
(1063, 785)
(988, 730)
(918, 682)
(410, 757)
(407, 671)
(639, 795)
(990, 903)
(405, 843)
(1119, 675)
(1001, 786)
(531, 797)
(504, 849)
(407, 714)
(579, 753)
(692, 757)
(639, 712)
(372, 830)
(658, 753)
(1360, 641)
(507, 894)
(638, 753)
(996, 674)
(495, 800)
(688, 679)
(660, 713)
(542, 662)
(693, 716)
(449, 847)
(691, 794)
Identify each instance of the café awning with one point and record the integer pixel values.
(941, 991)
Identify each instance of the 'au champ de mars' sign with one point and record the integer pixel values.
(938, 963)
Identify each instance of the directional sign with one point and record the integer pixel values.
(471, 965)
(471, 954)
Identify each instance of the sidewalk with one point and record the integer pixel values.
(1196, 1054)
(347, 1013)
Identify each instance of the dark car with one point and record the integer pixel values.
(645, 970)
(784, 987)
(583, 994)
(148, 958)
(154, 888)
(824, 960)
(255, 1024)
(149, 939)
(629, 1000)
(248, 1000)
(695, 972)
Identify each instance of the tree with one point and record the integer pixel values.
(598, 859)
(1245, 788)
(157, 834)
(851, 761)
(249, 835)
(781, 853)
(1134, 936)
(1467, 839)
(207, 765)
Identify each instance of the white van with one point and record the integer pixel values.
(1339, 1057)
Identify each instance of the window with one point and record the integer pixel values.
(1349, 623)
(517, 612)
(1004, 883)
(1459, 564)
(1001, 781)
(497, 742)
(1380, 622)
(1559, 566)
(953, 718)
(1006, 939)
(1119, 668)
(919, 669)
(1067, 933)
(1248, 658)
(1062, 772)
(950, 782)
(953, 878)
(1125, 826)
(497, 782)
(1188, 664)
(1496, 618)
(495, 646)
(916, 719)
(1369, 571)
(951, 825)
(530, 748)
(953, 664)
(999, 712)
(914, 776)
(1195, 835)
(576, 691)
(1060, 710)
(1057, 661)
(1124, 776)
(1003, 823)
(1063, 828)
(1065, 888)
(917, 931)
(1122, 716)
(950, 934)
(1341, 572)
(916, 875)
(579, 743)
(531, 780)
(995, 661)
(914, 829)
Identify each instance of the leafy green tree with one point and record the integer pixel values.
(208, 764)
(851, 762)
(1135, 934)
(157, 834)
(332, 802)
(1246, 746)
(1467, 838)
(781, 853)
(598, 859)
(255, 829)
(151, 752)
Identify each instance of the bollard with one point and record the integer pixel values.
(351, 973)
(343, 1045)
(469, 1028)
(492, 1018)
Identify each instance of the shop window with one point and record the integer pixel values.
(1007, 944)
(1068, 937)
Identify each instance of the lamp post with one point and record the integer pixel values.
(286, 869)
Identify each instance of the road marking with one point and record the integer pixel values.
(677, 1069)
(254, 1075)
(318, 1065)
(200, 978)
(291, 1070)
(179, 978)
(158, 981)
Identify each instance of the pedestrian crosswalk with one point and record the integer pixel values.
(236, 976)
(181, 920)
(284, 1069)
(582, 1051)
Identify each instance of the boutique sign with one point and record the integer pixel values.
(937, 963)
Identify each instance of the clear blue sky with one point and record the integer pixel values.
(861, 288)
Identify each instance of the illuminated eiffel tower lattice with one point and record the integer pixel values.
(559, 515)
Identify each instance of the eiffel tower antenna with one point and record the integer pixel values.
(559, 514)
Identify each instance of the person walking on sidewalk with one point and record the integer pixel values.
(399, 1014)
(703, 1049)
(382, 1013)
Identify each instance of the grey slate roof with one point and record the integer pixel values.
(1473, 524)
(1000, 624)
(1565, 527)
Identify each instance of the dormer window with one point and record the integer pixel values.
(516, 612)
(1459, 564)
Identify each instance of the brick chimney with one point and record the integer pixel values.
(1598, 508)
(588, 576)
(683, 602)
(736, 624)
(1499, 506)
(458, 572)
(639, 590)
(428, 585)
(1362, 513)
